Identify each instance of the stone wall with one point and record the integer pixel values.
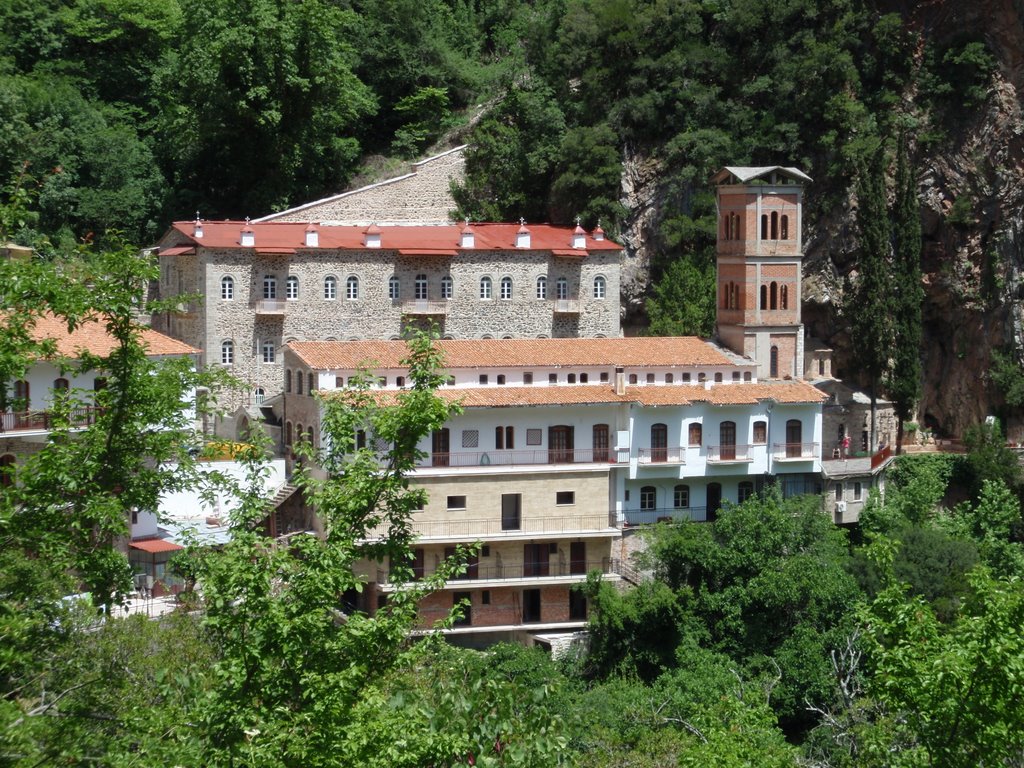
(374, 315)
(422, 196)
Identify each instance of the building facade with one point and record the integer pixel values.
(255, 287)
(563, 444)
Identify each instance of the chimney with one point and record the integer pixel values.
(312, 237)
(248, 236)
(197, 228)
(620, 381)
(372, 239)
(523, 235)
(468, 239)
(598, 233)
(579, 237)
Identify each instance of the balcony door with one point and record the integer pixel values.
(600, 442)
(535, 560)
(577, 557)
(560, 445)
(659, 442)
(714, 501)
(794, 439)
(440, 447)
(727, 440)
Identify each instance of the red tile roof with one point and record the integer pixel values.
(155, 545)
(91, 336)
(638, 351)
(441, 240)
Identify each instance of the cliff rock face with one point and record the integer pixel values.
(973, 256)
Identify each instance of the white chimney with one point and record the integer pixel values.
(620, 381)
(598, 233)
(579, 237)
(468, 239)
(248, 236)
(372, 236)
(523, 235)
(312, 237)
(197, 228)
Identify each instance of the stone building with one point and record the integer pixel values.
(260, 286)
(423, 195)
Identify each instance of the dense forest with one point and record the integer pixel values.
(769, 637)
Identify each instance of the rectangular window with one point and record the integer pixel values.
(681, 497)
(485, 597)
(501, 379)
(604, 377)
(552, 378)
(528, 378)
(694, 434)
(465, 600)
(686, 378)
(735, 375)
(456, 502)
(857, 491)
(563, 498)
(269, 352)
(760, 432)
(531, 605)
(584, 378)
(483, 378)
(577, 605)
(534, 436)
(470, 438)
(511, 511)
(571, 378)
(504, 438)
(746, 490)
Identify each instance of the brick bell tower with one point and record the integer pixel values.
(758, 256)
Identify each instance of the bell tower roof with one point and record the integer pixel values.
(770, 174)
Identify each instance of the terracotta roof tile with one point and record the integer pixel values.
(640, 351)
(91, 336)
(423, 239)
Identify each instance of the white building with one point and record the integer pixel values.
(562, 444)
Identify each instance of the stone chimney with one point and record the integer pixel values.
(372, 239)
(523, 235)
(312, 237)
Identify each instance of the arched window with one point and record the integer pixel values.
(22, 395)
(669, 378)
(352, 288)
(542, 287)
(735, 295)
(259, 395)
(269, 287)
(784, 234)
(562, 289)
(227, 288)
(485, 288)
(291, 288)
(227, 352)
(632, 378)
(288, 381)
(7, 470)
(330, 288)
(775, 225)
(764, 226)
(718, 377)
(773, 362)
(298, 382)
(599, 287)
(311, 384)
(269, 352)
(735, 226)
(288, 433)
(600, 442)
(774, 295)
(447, 287)
(681, 496)
(784, 297)
(61, 386)
(506, 288)
(394, 288)
(725, 296)
(648, 497)
(420, 287)
(764, 297)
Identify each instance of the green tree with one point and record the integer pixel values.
(904, 380)
(683, 303)
(869, 310)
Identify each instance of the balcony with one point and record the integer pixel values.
(44, 421)
(728, 454)
(514, 572)
(795, 451)
(667, 455)
(422, 307)
(269, 306)
(519, 458)
(665, 515)
(565, 306)
(494, 528)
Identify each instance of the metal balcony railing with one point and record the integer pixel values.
(422, 306)
(672, 454)
(782, 451)
(729, 452)
(24, 421)
(519, 571)
(495, 527)
(269, 306)
(665, 515)
(513, 458)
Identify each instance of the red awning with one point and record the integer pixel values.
(156, 545)
(178, 250)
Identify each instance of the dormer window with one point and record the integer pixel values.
(372, 236)
(523, 235)
(579, 238)
(312, 237)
